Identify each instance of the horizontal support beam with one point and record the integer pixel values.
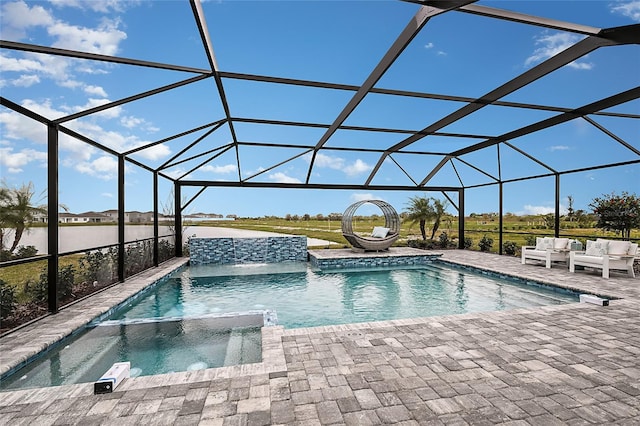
(276, 185)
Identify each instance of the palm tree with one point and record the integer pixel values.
(5, 203)
(419, 210)
(439, 208)
(17, 210)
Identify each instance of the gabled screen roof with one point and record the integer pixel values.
(347, 94)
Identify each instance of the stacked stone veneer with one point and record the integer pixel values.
(370, 262)
(225, 251)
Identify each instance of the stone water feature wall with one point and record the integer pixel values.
(229, 251)
(370, 261)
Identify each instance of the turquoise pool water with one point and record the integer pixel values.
(302, 297)
(186, 322)
(151, 346)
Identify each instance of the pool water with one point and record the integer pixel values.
(185, 322)
(303, 297)
(152, 347)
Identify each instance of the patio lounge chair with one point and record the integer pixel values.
(547, 249)
(606, 255)
(382, 237)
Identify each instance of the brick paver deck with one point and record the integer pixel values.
(571, 364)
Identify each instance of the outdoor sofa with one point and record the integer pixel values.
(606, 255)
(548, 250)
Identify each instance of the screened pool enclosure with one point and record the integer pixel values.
(359, 96)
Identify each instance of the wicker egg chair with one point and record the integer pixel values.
(359, 242)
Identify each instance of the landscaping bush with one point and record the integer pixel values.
(423, 244)
(7, 300)
(26, 252)
(38, 291)
(530, 240)
(485, 243)
(99, 266)
(468, 242)
(510, 248)
(444, 240)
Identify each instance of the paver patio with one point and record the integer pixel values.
(569, 364)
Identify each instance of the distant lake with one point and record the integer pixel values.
(72, 238)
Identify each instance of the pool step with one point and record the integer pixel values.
(233, 355)
(245, 346)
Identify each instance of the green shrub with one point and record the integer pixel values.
(5, 255)
(468, 242)
(7, 300)
(98, 266)
(485, 243)
(38, 291)
(444, 240)
(26, 252)
(510, 248)
(530, 240)
(423, 244)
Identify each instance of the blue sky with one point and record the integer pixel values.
(339, 42)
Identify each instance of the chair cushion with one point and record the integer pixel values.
(560, 243)
(543, 243)
(596, 248)
(379, 232)
(618, 248)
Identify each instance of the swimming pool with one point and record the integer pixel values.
(304, 297)
(175, 325)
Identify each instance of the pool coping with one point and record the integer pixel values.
(273, 362)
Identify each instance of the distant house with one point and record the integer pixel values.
(87, 217)
(112, 214)
(139, 217)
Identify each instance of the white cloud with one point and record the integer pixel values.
(630, 9)
(551, 45)
(107, 195)
(26, 80)
(8, 64)
(559, 148)
(538, 210)
(338, 163)
(283, 178)
(226, 169)
(428, 45)
(362, 196)
(105, 167)
(95, 90)
(14, 161)
(357, 168)
(155, 152)
(17, 17)
(98, 6)
(176, 173)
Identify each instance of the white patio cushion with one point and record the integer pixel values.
(379, 232)
(560, 243)
(597, 248)
(618, 248)
(543, 243)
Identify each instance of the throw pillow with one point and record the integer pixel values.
(379, 232)
(596, 248)
(544, 243)
(560, 243)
